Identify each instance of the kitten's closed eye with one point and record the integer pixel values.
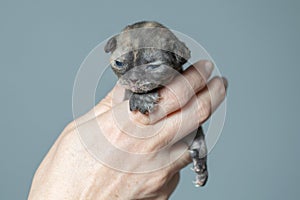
(150, 67)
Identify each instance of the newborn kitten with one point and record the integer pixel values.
(146, 56)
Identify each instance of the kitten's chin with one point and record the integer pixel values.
(138, 90)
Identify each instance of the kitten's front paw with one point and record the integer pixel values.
(145, 103)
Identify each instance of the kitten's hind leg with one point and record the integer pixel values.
(198, 152)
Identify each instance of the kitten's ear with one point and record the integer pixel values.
(182, 53)
(110, 45)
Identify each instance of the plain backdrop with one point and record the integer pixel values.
(254, 43)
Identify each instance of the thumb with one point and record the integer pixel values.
(114, 97)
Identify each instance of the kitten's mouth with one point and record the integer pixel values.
(138, 88)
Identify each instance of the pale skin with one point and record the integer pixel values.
(69, 171)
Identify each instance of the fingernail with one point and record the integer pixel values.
(225, 82)
(209, 66)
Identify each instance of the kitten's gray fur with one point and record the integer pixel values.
(146, 56)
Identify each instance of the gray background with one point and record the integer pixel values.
(254, 43)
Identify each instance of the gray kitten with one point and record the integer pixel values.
(146, 56)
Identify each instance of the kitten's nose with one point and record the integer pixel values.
(133, 80)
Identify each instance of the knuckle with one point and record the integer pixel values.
(139, 118)
(196, 79)
(71, 126)
(204, 109)
(172, 127)
(169, 99)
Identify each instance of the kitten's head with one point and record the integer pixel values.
(146, 55)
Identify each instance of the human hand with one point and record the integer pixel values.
(69, 171)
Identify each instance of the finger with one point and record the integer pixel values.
(179, 91)
(114, 97)
(194, 113)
